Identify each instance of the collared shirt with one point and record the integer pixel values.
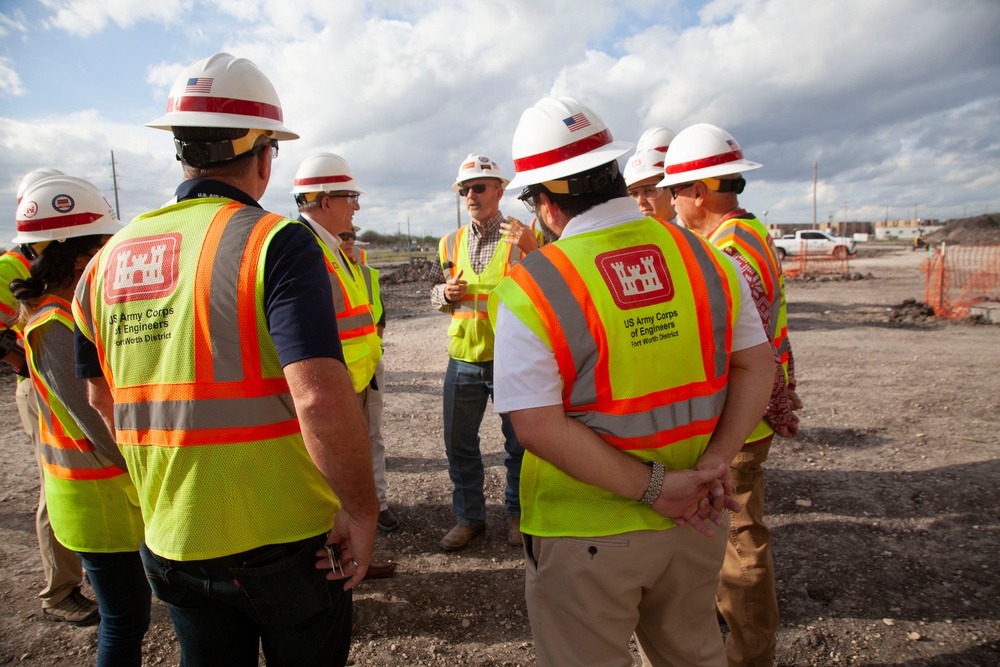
(332, 242)
(483, 242)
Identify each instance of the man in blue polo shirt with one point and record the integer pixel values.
(247, 448)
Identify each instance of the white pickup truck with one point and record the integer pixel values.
(814, 242)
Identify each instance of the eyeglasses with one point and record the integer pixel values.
(347, 236)
(645, 192)
(674, 189)
(352, 198)
(272, 144)
(29, 251)
(478, 188)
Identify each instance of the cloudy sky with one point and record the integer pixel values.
(896, 101)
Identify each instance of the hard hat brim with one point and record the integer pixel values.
(193, 119)
(574, 165)
(727, 169)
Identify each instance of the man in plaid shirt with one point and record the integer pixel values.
(474, 259)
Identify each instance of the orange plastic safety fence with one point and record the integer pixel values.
(804, 264)
(960, 276)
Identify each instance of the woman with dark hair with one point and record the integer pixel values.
(62, 223)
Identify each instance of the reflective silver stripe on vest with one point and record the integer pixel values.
(749, 238)
(339, 304)
(73, 459)
(223, 324)
(194, 415)
(573, 323)
(44, 411)
(717, 298)
(85, 306)
(480, 305)
(657, 420)
(368, 283)
(785, 346)
(449, 243)
(348, 324)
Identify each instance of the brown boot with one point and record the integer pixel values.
(459, 537)
(514, 531)
(75, 609)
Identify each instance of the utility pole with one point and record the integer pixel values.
(114, 179)
(815, 167)
(409, 242)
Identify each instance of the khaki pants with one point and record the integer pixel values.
(375, 438)
(746, 596)
(62, 568)
(587, 595)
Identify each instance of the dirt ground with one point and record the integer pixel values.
(885, 511)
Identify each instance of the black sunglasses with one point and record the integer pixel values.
(674, 189)
(347, 236)
(478, 188)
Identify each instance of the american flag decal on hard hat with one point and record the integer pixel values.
(199, 84)
(576, 122)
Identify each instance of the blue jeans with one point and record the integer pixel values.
(123, 597)
(467, 386)
(274, 595)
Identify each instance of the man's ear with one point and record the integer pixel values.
(264, 165)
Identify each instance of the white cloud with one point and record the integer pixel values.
(13, 22)
(80, 144)
(887, 96)
(10, 82)
(86, 17)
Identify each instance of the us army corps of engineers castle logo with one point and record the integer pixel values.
(144, 268)
(636, 276)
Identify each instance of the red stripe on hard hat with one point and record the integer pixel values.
(562, 153)
(55, 223)
(322, 179)
(711, 161)
(224, 105)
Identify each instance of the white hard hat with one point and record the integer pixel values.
(33, 177)
(324, 172)
(650, 151)
(703, 151)
(63, 207)
(559, 137)
(224, 91)
(655, 139)
(478, 166)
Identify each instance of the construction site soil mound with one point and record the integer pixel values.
(981, 229)
(885, 511)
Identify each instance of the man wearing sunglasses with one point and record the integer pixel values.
(474, 259)
(703, 174)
